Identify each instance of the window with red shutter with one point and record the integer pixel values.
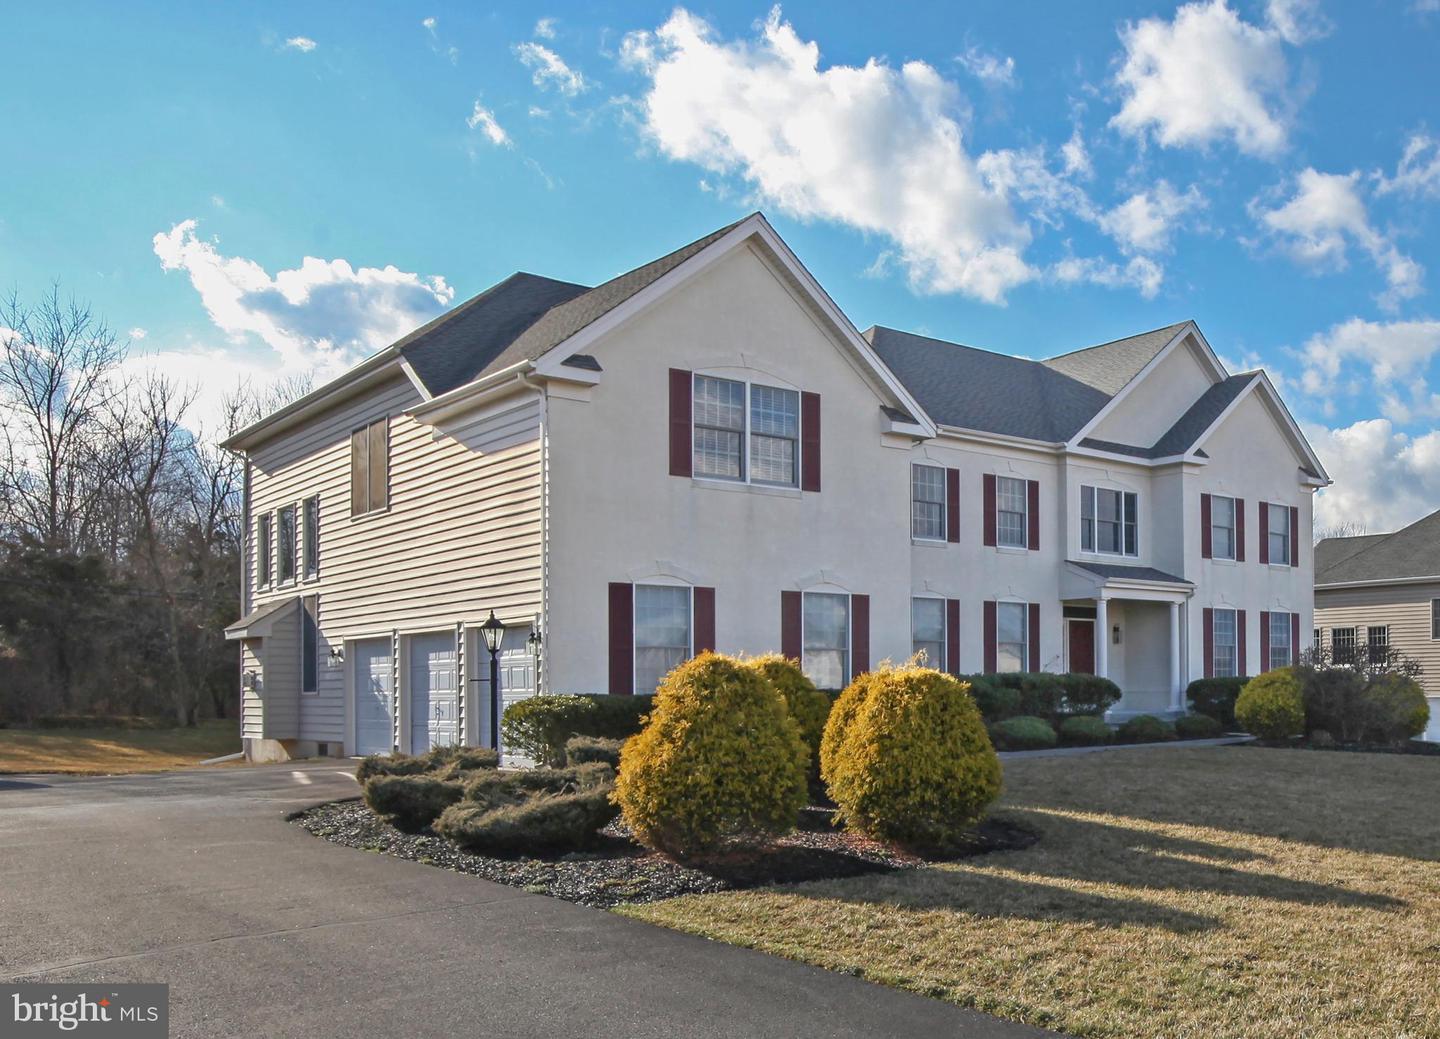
(680, 413)
(622, 639)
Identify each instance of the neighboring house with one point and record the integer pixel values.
(1378, 593)
(705, 453)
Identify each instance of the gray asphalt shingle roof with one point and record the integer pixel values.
(1128, 573)
(1412, 551)
(1109, 366)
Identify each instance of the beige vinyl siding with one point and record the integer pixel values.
(252, 715)
(1405, 608)
(461, 534)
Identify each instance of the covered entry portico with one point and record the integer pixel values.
(1126, 623)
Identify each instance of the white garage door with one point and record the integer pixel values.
(374, 697)
(1433, 732)
(434, 698)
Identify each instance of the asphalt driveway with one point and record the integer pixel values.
(195, 879)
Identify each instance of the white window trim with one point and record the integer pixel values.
(304, 533)
(1288, 626)
(1234, 645)
(943, 539)
(1433, 604)
(1094, 494)
(1234, 527)
(634, 627)
(944, 630)
(745, 479)
(1270, 507)
(1024, 545)
(368, 512)
(849, 629)
(294, 578)
(1025, 633)
(265, 548)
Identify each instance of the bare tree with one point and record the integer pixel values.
(1344, 529)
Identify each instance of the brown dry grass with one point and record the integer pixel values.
(1227, 891)
(114, 751)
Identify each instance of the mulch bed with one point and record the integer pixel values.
(618, 871)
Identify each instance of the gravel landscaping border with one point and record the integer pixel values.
(617, 871)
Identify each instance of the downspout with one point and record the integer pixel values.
(543, 618)
(244, 588)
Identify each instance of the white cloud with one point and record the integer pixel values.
(1140, 273)
(1298, 21)
(990, 69)
(432, 26)
(1320, 220)
(429, 23)
(1076, 156)
(545, 29)
(322, 312)
(1204, 77)
(1384, 478)
(548, 69)
(303, 44)
(1143, 223)
(872, 147)
(1418, 172)
(1387, 362)
(483, 119)
(138, 333)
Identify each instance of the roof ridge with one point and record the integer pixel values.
(1113, 342)
(1380, 539)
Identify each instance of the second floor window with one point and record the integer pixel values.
(1342, 645)
(1226, 656)
(927, 630)
(263, 571)
(927, 502)
(1378, 643)
(1279, 534)
(1010, 507)
(1281, 652)
(1222, 527)
(311, 565)
(774, 435)
(287, 544)
(370, 468)
(728, 414)
(662, 633)
(826, 656)
(1108, 521)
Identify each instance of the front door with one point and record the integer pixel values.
(1082, 646)
(374, 698)
(434, 697)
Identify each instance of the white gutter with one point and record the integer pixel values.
(1381, 581)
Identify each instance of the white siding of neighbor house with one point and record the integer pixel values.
(461, 534)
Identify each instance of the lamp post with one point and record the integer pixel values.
(491, 631)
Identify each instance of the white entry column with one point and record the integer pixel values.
(1177, 691)
(1102, 638)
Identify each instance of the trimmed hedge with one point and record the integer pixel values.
(907, 759)
(719, 759)
(454, 761)
(1270, 706)
(1085, 731)
(549, 822)
(1198, 727)
(1023, 733)
(1215, 698)
(540, 726)
(996, 702)
(1042, 694)
(411, 803)
(1146, 728)
(497, 789)
(584, 749)
(808, 706)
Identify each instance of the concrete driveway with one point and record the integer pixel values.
(194, 879)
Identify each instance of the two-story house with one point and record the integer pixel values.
(705, 453)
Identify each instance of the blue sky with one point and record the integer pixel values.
(258, 190)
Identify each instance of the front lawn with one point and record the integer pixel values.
(113, 751)
(1227, 891)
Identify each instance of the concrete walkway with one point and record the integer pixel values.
(195, 879)
(1065, 752)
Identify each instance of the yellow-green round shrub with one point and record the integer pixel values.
(842, 714)
(808, 706)
(912, 763)
(1271, 707)
(720, 759)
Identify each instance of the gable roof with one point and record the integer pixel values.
(1189, 427)
(1110, 366)
(1409, 553)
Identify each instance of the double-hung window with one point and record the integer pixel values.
(309, 643)
(1010, 512)
(927, 630)
(1012, 636)
(1226, 655)
(370, 468)
(745, 432)
(287, 544)
(1435, 619)
(1377, 642)
(1279, 534)
(1108, 521)
(1318, 639)
(1222, 527)
(826, 641)
(662, 633)
(264, 572)
(1342, 645)
(927, 502)
(1282, 653)
(310, 565)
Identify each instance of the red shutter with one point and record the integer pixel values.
(1264, 641)
(790, 645)
(680, 384)
(988, 497)
(1205, 546)
(1034, 627)
(704, 619)
(952, 636)
(1032, 506)
(1263, 510)
(809, 441)
(1294, 638)
(1209, 640)
(859, 634)
(1294, 536)
(1239, 530)
(622, 639)
(1242, 658)
(952, 504)
(990, 648)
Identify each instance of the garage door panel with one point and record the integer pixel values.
(434, 692)
(374, 697)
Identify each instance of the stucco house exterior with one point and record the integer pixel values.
(1377, 593)
(705, 452)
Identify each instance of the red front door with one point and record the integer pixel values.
(1082, 646)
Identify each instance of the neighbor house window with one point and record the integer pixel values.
(662, 633)
(1012, 636)
(774, 435)
(287, 544)
(1279, 534)
(1222, 527)
(1010, 506)
(1226, 657)
(1318, 639)
(263, 550)
(719, 410)
(1342, 645)
(309, 642)
(927, 630)
(370, 468)
(1281, 652)
(1435, 619)
(1377, 642)
(826, 656)
(927, 502)
(311, 565)
(1108, 521)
